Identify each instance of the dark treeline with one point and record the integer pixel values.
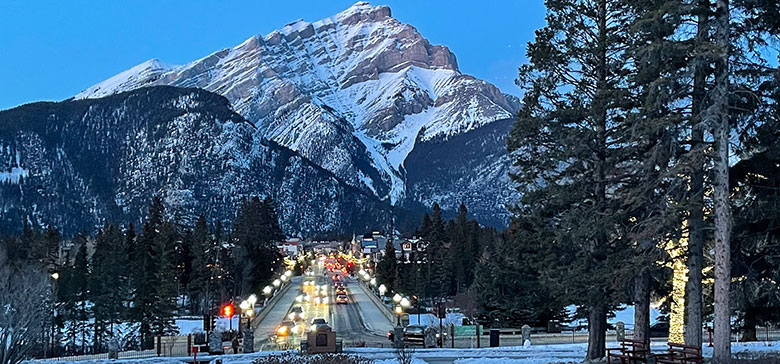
(647, 138)
(632, 117)
(146, 276)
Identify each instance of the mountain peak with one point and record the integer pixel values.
(137, 76)
(353, 92)
(361, 8)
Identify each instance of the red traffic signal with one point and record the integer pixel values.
(227, 311)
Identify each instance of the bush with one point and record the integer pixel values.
(289, 358)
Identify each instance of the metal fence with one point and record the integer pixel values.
(164, 346)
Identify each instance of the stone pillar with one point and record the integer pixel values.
(215, 342)
(113, 348)
(620, 330)
(526, 331)
(249, 341)
(398, 337)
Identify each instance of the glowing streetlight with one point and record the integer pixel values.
(277, 283)
(252, 300)
(267, 290)
(288, 273)
(382, 289)
(405, 302)
(373, 281)
(397, 298)
(284, 278)
(55, 276)
(398, 312)
(244, 305)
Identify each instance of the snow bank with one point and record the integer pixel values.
(428, 319)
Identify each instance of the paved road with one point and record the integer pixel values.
(376, 322)
(357, 322)
(266, 328)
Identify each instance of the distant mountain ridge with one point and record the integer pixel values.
(355, 93)
(78, 164)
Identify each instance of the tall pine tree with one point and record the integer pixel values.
(572, 153)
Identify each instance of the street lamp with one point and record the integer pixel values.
(397, 298)
(284, 278)
(398, 312)
(55, 276)
(248, 309)
(405, 303)
(382, 289)
(267, 290)
(373, 281)
(277, 283)
(252, 300)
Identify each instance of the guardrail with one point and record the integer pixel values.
(270, 304)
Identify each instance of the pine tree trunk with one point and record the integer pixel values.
(693, 290)
(597, 332)
(719, 117)
(642, 307)
(749, 331)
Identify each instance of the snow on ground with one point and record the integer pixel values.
(429, 319)
(625, 314)
(540, 354)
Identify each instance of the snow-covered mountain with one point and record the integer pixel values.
(77, 164)
(355, 93)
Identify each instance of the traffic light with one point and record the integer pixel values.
(227, 311)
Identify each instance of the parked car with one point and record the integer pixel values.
(319, 321)
(418, 335)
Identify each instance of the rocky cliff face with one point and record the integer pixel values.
(76, 164)
(354, 93)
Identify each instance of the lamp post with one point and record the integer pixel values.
(245, 309)
(398, 312)
(382, 290)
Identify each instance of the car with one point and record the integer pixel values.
(342, 299)
(296, 314)
(319, 321)
(286, 328)
(341, 290)
(418, 335)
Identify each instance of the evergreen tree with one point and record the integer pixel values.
(79, 287)
(109, 283)
(144, 279)
(387, 268)
(255, 234)
(164, 280)
(200, 273)
(509, 285)
(572, 152)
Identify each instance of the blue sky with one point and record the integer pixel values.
(51, 50)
